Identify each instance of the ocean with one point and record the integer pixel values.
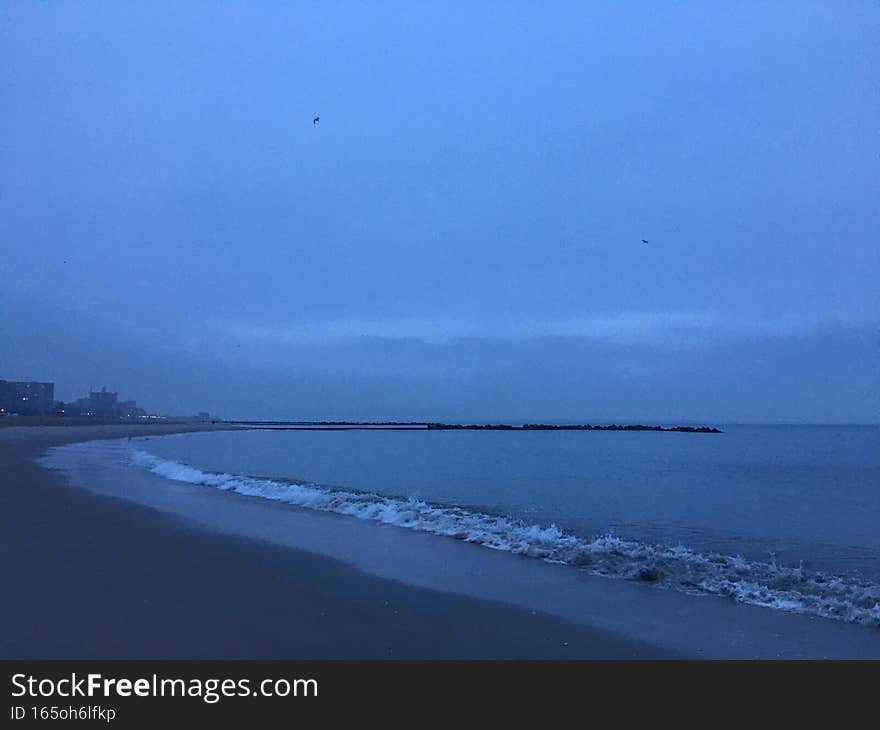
(783, 517)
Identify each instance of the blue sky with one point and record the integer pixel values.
(460, 236)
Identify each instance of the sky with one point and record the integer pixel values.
(460, 236)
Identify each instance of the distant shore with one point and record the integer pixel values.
(159, 422)
(96, 577)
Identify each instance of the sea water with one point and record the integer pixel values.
(786, 517)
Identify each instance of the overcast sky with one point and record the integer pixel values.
(460, 237)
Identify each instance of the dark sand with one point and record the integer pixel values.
(86, 576)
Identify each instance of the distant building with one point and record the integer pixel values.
(27, 398)
(105, 404)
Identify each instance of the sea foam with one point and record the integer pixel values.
(758, 583)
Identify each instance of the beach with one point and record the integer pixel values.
(88, 576)
(108, 559)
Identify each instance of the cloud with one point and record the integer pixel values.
(824, 373)
(674, 330)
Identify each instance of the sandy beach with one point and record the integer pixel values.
(89, 576)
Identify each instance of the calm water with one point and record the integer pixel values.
(805, 494)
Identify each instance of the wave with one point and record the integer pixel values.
(768, 584)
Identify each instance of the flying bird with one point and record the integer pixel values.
(316, 120)
(644, 241)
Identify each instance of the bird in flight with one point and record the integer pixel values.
(644, 241)
(316, 120)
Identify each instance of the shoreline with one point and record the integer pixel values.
(92, 576)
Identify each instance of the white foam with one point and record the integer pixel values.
(758, 583)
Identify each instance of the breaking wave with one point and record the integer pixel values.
(758, 583)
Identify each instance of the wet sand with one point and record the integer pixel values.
(89, 576)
